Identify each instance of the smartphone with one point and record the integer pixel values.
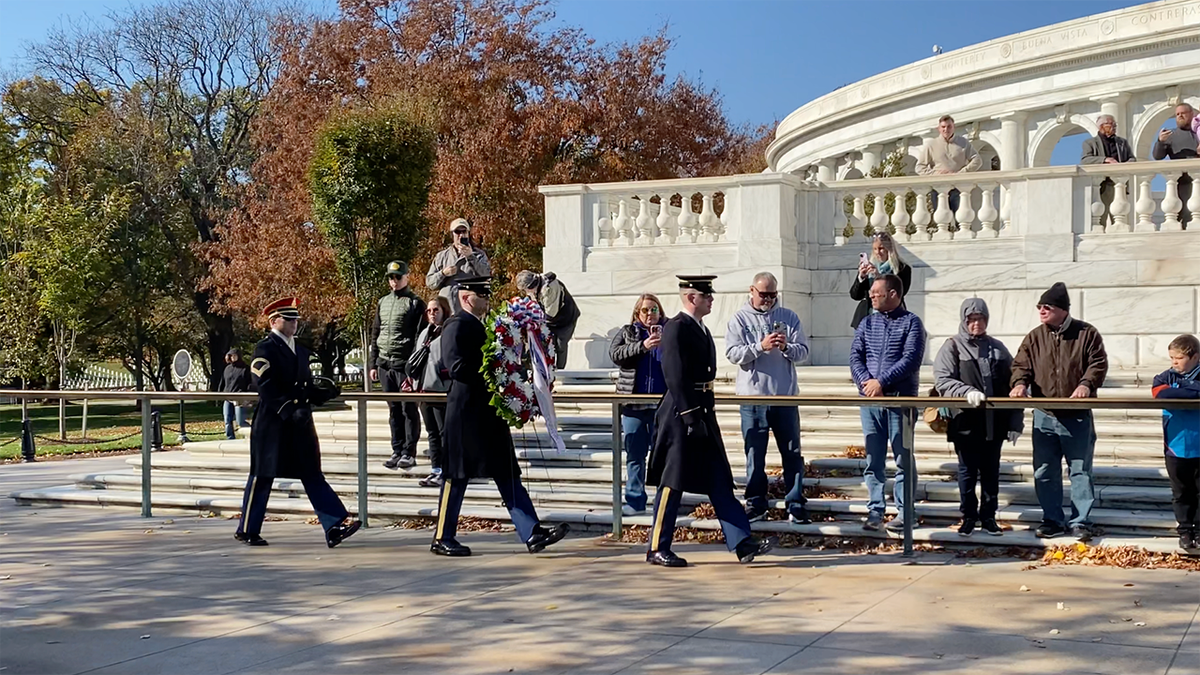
(656, 330)
(777, 327)
(862, 257)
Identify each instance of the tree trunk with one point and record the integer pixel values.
(221, 336)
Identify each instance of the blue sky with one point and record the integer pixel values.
(766, 57)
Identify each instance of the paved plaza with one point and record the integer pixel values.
(105, 591)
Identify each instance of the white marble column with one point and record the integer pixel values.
(1013, 139)
(826, 172)
(870, 159)
(1116, 104)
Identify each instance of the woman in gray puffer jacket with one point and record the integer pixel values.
(975, 365)
(635, 350)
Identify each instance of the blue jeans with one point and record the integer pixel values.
(881, 425)
(637, 433)
(230, 408)
(758, 422)
(1067, 435)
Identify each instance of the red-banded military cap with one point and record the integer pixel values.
(287, 308)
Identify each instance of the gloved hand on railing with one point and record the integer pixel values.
(976, 398)
(1013, 436)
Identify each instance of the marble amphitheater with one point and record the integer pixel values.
(1130, 262)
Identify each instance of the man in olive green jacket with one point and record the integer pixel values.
(399, 318)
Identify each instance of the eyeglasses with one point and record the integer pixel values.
(461, 230)
(1045, 307)
(648, 310)
(882, 236)
(769, 295)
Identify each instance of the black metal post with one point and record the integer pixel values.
(183, 437)
(617, 525)
(147, 431)
(156, 437)
(910, 479)
(28, 448)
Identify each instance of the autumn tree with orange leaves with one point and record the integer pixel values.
(513, 103)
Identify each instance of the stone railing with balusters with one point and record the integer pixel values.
(921, 207)
(663, 213)
(1122, 196)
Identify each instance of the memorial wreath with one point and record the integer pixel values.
(509, 358)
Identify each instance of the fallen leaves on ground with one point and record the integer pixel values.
(855, 452)
(1117, 556)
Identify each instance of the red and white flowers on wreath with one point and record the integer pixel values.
(506, 358)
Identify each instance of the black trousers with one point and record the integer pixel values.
(978, 461)
(1184, 473)
(735, 524)
(435, 423)
(403, 418)
(325, 502)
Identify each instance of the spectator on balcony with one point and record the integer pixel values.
(1180, 143)
(461, 260)
(884, 259)
(766, 341)
(1106, 148)
(885, 360)
(1181, 435)
(947, 154)
(561, 311)
(635, 350)
(975, 366)
(1062, 358)
(236, 379)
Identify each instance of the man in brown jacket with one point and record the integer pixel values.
(1062, 358)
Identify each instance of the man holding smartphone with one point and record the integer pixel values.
(766, 341)
(461, 260)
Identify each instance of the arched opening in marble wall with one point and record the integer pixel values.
(1069, 134)
(1145, 130)
(989, 155)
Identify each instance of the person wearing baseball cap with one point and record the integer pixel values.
(399, 319)
(283, 440)
(462, 259)
(235, 379)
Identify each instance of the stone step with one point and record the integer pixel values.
(383, 512)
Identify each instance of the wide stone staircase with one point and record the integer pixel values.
(1132, 492)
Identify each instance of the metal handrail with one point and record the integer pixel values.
(616, 401)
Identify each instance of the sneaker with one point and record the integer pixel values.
(1186, 541)
(897, 525)
(755, 514)
(798, 514)
(1049, 531)
(991, 528)
(1083, 532)
(433, 480)
(407, 461)
(966, 528)
(392, 462)
(627, 510)
(874, 522)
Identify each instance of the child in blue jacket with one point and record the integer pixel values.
(1181, 435)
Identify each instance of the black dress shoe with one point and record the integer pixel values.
(449, 547)
(342, 531)
(665, 559)
(751, 547)
(541, 537)
(250, 539)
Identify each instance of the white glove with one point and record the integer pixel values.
(1013, 436)
(976, 398)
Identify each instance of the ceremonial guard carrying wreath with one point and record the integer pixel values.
(477, 442)
(283, 440)
(688, 453)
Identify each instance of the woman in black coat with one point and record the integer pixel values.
(885, 259)
(635, 350)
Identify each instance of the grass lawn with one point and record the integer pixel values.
(106, 420)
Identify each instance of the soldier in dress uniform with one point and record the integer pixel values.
(688, 453)
(283, 440)
(477, 442)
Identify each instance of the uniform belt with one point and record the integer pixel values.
(705, 386)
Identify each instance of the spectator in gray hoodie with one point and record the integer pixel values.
(766, 342)
(974, 365)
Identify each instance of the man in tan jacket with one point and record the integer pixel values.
(947, 154)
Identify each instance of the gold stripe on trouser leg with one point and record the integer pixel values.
(658, 518)
(249, 503)
(441, 526)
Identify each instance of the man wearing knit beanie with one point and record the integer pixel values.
(1062, 358)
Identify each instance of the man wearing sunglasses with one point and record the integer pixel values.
(766, 341)
(1062, 358)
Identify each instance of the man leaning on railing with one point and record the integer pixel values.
(885, 360)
